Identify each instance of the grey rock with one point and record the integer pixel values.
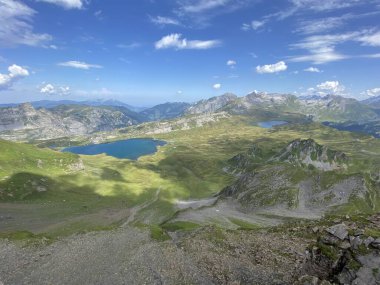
(355, 241)
(369, 273)
(346, 276)
(340, 231)
(308, 280)
(359, 232)
(376, 243)
(345, 245)
(315, 229)
(368, 241)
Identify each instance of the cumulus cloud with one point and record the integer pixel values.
(272, 68)
(79, 65)
(50, 89)
(16, 26)
(372, 92)
(332, 87)
(67, 4)
(163, 21)
(217, 86)
(176, 41)
(15, 72)
(312, 69)
(231, 63)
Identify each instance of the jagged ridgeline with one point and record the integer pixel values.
(303, 176)
(46, 121)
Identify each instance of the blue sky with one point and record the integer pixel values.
(145, 52)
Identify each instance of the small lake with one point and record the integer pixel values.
(271, 124)
(131, 148)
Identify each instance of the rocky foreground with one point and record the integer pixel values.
(342, 251)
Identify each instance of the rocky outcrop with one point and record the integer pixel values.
(345, 253)
(309, 153)
(304, 179)
(244, 162)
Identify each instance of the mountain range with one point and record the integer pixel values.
(50, 119)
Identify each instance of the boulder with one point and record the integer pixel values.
(340, 231)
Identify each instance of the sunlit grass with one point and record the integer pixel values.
(190, 166)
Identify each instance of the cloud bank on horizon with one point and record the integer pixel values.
(143, 52)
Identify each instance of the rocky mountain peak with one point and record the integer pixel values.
(212, 104)
(27, 108)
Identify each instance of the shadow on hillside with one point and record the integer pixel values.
(112, 174)
(29, 186)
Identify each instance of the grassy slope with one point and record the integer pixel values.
(190, 166)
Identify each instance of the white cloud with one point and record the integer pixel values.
(320, 6)
(254, 25)
(67, 4)
(333, 87)
(199, 13)
(79, 65)
(132, 45)
(217, 86)
(324, 42)
(320, 25)
(177, 42)
(375, 55)
(200, 6)
(319, 58)
(372, 92)
(312, 69)
(15, 72)
(231, 63)
(48, 89)
(16, 25)
(370, 39)
(99, 15)
(52, 90)
(272, 68)
(179, 92)
(322, 48)
(163, 21)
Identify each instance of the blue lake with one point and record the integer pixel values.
(131, 149)
(271, 124)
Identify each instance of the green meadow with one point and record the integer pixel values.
(46, 191)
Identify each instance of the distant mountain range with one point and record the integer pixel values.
(373, 101)
(51, 119)
(51, 104)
